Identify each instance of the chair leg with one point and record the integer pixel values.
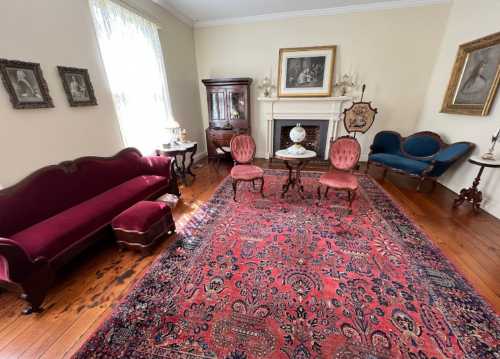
(349, 196)
(319, 193)
(367, 167)
(253, 184)
(235, 186)
(262, 187)
(326, 192)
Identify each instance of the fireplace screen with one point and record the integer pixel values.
(316, 132)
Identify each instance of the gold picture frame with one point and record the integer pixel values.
(306, 71)
(475, 77)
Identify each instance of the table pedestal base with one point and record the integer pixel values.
(294, 180)
(471, 194)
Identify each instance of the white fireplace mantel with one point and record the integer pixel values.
(301, 109)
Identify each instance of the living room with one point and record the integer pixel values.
(249, 179)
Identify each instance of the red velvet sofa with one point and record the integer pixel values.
(53, 214)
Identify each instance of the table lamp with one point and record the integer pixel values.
(172, 130)
(490, 155)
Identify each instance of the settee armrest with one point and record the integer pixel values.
(158, 165)
(18, 263)
(442, 160)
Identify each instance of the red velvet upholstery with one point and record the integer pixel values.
(51, 215)
(51, 237)
(141, 216)
(344, 153)
(344, 156)
(339, 180)
(243, 148)
(246, 172)
(58, 188)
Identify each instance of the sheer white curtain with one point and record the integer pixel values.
(133, 59)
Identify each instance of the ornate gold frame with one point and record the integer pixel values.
(463, 52)
(333, 48)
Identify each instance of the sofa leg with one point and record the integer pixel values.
(384, 174)
(420, 183)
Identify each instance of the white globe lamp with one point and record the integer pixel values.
(297, 135)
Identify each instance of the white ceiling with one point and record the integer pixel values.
(213, 11)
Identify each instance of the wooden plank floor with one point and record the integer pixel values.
(87, 289)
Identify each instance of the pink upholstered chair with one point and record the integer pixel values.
(243, 152)
(344, 156)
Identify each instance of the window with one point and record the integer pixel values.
(131, 51)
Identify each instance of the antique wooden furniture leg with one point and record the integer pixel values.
(191, 160)
(235, 187)
(471, 194)
(262, 187)
(294, 180)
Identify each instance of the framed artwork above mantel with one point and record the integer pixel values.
(475, 77)
(306, 71)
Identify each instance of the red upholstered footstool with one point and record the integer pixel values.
(140, 226)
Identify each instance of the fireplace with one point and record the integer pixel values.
(316, 135)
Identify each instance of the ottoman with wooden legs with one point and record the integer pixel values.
(142, 225)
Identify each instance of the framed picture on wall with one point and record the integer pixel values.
(306, 71)
(77, 85)
(475, 77)
(25, 84)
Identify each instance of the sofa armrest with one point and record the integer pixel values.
(158, 165)
(442, 160)
(19, 265)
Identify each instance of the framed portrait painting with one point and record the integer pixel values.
(306, 71)
(77, 86)
(25, 84)
(475, 77)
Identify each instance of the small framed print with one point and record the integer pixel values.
(77, 85)
(306, 71)
(475, 78)
(25, 84)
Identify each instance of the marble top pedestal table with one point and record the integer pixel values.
(181, 149)
(473, 194)
(297, 163)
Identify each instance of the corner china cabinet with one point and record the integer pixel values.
(228, 111)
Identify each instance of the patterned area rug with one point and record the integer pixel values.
(285, 278)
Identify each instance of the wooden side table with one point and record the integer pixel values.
(472, 194)
(297, 163)
(181, 150)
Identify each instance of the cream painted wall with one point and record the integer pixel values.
(468, 20)
(60, 32)
(393, 51)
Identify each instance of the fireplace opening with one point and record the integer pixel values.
(316, 132)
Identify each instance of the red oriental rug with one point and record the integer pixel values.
(285, 278)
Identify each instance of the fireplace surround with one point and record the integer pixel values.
(308, 111)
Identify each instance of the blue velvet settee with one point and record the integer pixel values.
(423, 155)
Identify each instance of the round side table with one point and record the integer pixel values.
(181, 149)
(472, 194)
(297, 163)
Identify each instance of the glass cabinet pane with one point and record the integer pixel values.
(217, 106)
(237, 105)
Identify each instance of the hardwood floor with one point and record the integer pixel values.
(87, 290)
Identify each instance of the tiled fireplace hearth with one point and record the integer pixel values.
(319, 116)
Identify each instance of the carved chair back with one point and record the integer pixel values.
(243, 148)
(344, 153)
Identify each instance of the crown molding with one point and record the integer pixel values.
(383, 5)
(175, 12)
